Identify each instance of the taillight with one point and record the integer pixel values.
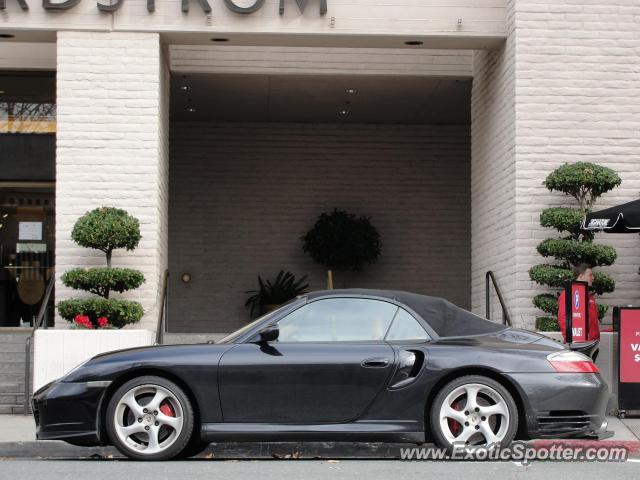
(571, 362)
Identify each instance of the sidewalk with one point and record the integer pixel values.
(17, 440)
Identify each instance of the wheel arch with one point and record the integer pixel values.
(140, 372)
(488, 372)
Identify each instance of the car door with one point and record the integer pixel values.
(327, 366)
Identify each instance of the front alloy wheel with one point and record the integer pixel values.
(149, 418)
(474, 410)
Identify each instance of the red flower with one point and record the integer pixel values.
(103, 322)
(82, 321)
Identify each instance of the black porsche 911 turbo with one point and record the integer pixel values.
(339, 365)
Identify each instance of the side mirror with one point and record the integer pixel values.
(269, 333)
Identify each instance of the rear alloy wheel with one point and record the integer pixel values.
(473, 410)
(149, 418)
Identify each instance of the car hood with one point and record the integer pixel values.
(107, 366)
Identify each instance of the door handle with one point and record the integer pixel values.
(375, 362)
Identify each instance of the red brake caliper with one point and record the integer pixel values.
(167, 409)
(453, 425)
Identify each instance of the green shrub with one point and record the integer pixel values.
(104, 229)
(585, 182)
(563, 219)
(546, 302)
(103, 280)
(582, 180)
(550, 275)
(107, 229)
(342, 241)
(602, 283)
(118, 312)
(575, 252)
(547, 324)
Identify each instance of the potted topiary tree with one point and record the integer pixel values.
(342, 241)
(104, 229)
(97, 321)
(585, 182)
(273, 293)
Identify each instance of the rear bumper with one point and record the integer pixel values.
(69, 411)
(564, 405)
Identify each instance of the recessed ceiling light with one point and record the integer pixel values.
(344, 112)
(6, 35)
(219, 39)
(350, 91)
(191, 109)
(413, 42)
(185, 88)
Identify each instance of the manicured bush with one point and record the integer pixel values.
(547, 324)
(118, 312)
(342, 241)
(103, 280)
(104, 229)
(585, 182)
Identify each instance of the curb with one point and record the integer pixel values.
(55, 449)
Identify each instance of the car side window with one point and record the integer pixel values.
(405, 327)
(338, 320)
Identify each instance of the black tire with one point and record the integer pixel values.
(176, 444)
(440, 437)
(195, 447)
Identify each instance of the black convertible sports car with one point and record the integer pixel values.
(340, 365)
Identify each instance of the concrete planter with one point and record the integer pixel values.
(56, 352)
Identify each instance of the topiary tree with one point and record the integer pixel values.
(585, 182)
(342, 241)
(105, 229)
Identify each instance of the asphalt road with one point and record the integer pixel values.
(309, 470)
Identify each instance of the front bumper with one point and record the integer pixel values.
(69, 411)
(564, 405)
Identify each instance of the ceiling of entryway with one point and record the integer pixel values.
(320, 98)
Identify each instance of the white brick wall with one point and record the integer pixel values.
(493, 238)
(242, 195)
(567, 81)
(112, 91)
(577, 99)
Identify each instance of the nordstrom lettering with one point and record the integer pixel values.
(151, 5)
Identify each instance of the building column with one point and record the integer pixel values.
(493, 170)
(112, 150)
(562, 89)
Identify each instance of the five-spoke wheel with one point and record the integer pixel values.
(149, 418)
(473, 410)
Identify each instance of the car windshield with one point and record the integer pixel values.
(232, 337)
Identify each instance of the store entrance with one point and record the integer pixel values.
(27, 194)
(27, 239)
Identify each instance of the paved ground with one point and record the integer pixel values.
(311, 470)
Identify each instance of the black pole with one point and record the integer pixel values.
(568, 313)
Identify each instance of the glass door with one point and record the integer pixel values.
(27, 241)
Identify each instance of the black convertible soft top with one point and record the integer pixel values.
(446, 319)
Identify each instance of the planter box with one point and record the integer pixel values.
(56, 352)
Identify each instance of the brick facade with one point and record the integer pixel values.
(242, 195)
(112, 114)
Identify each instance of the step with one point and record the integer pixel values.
(12, 356)
(12, 378)
(11, 368)
(14, 337)
(13, 348)
(13, 409)
(13, 399)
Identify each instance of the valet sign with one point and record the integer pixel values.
(237, 6)
(629, 346)
(576, 295)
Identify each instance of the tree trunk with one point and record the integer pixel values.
(329, 280)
